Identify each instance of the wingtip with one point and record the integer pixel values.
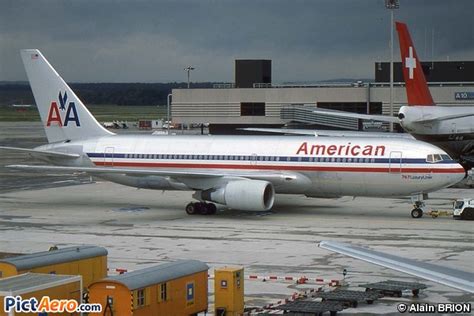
(323, 244)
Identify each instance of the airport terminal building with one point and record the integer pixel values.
(253, 101)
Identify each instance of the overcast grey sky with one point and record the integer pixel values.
(152, 41)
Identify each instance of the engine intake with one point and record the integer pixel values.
(245, 195)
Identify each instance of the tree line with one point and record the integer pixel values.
(102, 93)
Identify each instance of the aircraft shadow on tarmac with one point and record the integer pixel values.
(286, 209)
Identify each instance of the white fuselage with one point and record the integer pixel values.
(315, 166)
(450, 128)
(432, 122)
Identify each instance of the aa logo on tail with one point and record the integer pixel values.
(54, 115)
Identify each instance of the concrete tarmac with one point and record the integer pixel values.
(144, 227)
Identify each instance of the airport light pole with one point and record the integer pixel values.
(391, 5)
(168, 112)
(188, 69)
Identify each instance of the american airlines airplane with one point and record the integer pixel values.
(239, 172)
(451, 128)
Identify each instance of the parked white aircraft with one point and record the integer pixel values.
(451, 128)
(240, 172)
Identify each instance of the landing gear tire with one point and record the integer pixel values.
(191, 209)
(201, 208)
(417, 213)
(211, 208)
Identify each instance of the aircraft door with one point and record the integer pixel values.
(454, 130)
(109, 156)
(253, 159)
(395, 162)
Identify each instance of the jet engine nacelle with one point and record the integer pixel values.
(245, 195)
(408, 116)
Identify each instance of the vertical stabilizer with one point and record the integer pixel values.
(415, 81)
(64, 116)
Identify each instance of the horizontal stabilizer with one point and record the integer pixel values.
(44, 153)
(458, 279)
(379, 118)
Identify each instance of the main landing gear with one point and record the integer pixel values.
(202, 208)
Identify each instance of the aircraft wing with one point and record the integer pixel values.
(292, 131)
(40, 153)
(455, 278)
(332, 133)
(381, 118)
(182, 174)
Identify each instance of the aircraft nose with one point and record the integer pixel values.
(457, 174)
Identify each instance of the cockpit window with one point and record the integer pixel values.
(446, 157)
(434, 158)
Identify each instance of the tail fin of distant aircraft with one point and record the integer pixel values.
(415, 81)
(64, 116)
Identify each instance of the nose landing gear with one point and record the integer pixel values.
(202, 208)
(417, 211)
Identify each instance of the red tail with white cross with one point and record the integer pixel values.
(415, 81)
